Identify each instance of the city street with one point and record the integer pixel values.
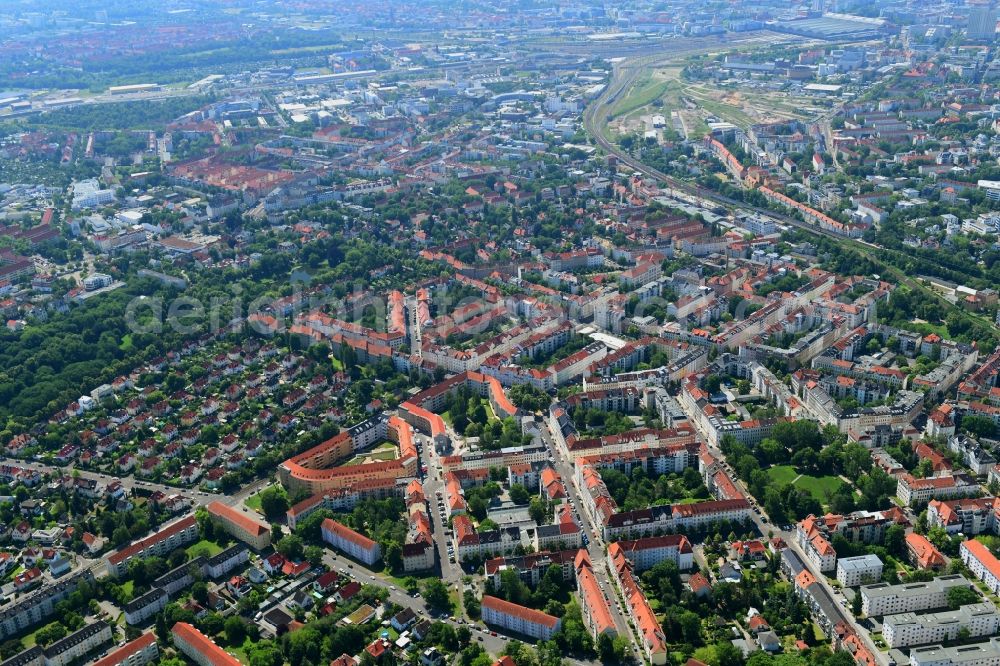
(129, 482)
(595, 546)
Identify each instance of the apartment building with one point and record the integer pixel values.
(652, 638)
(518, 619)
(593, 604)
(219, 565)
(648, 552)
(356, 545)
(142, 650)
(908, 629)
(819, 550)
(418, 556)
(530, 568)
(146, 606)
(854, 571)
(970, 516)
(171, 537)
(922, 552)
(915, 492)
(884, 599)
(180, 577)
(982, 563)
(81, 642)
(199, 648)
(978, 654)
(68, 650)
(32, 609)
(241, 526)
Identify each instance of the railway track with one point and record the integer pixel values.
(624, 76)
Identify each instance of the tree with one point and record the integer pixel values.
(464, 635)
(291, 547)
(471, 604)
(609, 650)
(199, 591)
(895, 540)
(314, 555)
(276, 533)
(273, 502)
(728, 654)
(411, 585)
(856, 604)
(162, 631)
(120, 536)
(962, 596)
(519, 494)
(690, 625)
(980, 426)
(235, 630)
(394, 556)
(436, 594)
(537, 510)
(477, 507)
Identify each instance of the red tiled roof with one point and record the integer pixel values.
(345, 532)
(204, 645)
(514, 610)
(229, 514)
(162, 535)
(127, 650)
(978, 550)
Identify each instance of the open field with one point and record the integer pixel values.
(660, 90)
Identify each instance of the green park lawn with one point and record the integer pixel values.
(782, 474)
(820, 487)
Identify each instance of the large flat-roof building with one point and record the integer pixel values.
(884, 599)
(908, 629)
(854, 571)
(977, 654)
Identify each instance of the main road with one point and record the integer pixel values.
(130, 483)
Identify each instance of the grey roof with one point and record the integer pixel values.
(228, 553)
(977, 652)
(28, 656)
(75, 638)
(145, 600)
(941, 583)
(962, 615)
